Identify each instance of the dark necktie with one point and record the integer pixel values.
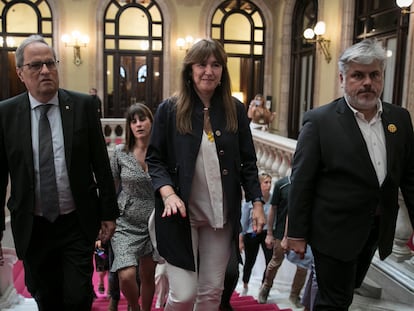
(48, 190)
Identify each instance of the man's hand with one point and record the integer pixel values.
(296, 245)
(107, 230)
(269, 241)
(258, 217)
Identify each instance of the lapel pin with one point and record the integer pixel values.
(392, 128)
(67, 107)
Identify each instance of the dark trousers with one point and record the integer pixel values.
(58, 265)
(337, 279)
(231, 277)
(252, 242)
(113, 281)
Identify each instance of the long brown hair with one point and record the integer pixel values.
(198, 53)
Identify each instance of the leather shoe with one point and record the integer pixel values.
(226, 307)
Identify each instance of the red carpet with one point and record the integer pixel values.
(239, 303)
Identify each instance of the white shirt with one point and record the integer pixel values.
(66, 202)
(374, 137)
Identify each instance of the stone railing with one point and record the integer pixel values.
(113, 129)
(274, 153)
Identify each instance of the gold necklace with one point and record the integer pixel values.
(207, 125)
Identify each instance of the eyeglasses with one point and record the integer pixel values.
(37, 66)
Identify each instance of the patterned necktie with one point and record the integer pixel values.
(48, 189)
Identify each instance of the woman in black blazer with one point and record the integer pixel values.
(200, 154)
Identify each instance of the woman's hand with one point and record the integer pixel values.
(172, 205)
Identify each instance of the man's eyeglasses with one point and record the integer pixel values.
(37, 66)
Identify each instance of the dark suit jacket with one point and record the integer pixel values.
(335, 191)
(86, 160)
(171, 161)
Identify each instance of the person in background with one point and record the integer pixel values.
(94, 92)
(352, 157)
(259, 114)
(201, 151)
(131, 242)
(101, 263)
(251, 241)
(276, 226)
(55, 217)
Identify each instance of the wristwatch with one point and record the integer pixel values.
(259, 199)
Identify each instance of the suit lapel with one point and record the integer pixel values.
(66, 111)
(390, 126)
(351, 128)
(25, 133)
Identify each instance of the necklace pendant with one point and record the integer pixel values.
(210, 136)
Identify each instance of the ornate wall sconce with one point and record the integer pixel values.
(76, 40)
(319, 31)
(185, 43)
(404, 5)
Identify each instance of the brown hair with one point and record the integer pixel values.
(143, 112)
(198, 53)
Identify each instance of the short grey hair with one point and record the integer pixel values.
(364, 52)
(29, 40)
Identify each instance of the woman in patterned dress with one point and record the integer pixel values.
(131, 242)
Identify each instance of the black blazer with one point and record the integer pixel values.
(86, 160)
(335, 191)
(171, 161)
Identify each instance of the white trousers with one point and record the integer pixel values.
(201, 291)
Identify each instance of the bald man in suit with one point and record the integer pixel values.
(56, 251)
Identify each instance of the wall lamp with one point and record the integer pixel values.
(318, 30)
(186, 43)
(404, 5)
(9, 42)
(76, 40)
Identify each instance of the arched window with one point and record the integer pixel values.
(383, 21)
(18, 21)
(132, 41)
(302, 65)
(239, 26)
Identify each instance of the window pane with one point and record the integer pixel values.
(44, 10)
(237, 48)
(46, 27)
(133, 22)
(237, 27)
(155, 14)
(109, 29)
(156, 30)
(21, 18)
(109, 44)
(390, 70)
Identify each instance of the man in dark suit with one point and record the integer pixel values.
(56, 250)
(352, 157)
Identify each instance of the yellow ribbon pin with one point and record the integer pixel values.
(392, 128)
